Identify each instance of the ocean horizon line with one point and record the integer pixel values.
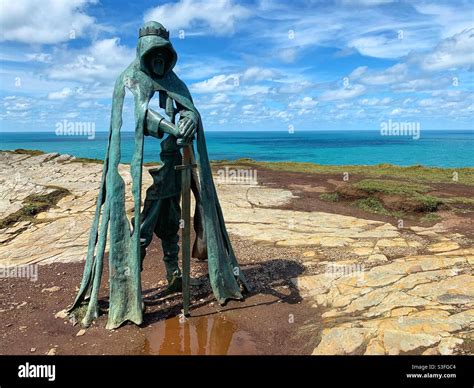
(256, 161)
(269, 130)
(435, 148)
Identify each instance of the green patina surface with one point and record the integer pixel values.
(125, 299)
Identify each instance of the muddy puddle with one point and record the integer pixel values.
(206, 335)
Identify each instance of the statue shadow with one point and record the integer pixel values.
(263, 279)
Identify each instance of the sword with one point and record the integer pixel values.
(156, 125)
(186, 169)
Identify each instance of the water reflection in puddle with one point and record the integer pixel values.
(207, 335)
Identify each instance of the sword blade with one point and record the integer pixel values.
(186, 236)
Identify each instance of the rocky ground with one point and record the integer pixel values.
(324, 283)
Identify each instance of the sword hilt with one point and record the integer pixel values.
(181, 142)
(157, 124)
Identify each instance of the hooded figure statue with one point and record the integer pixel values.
(151, 72)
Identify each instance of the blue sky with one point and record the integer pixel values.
(250, 65)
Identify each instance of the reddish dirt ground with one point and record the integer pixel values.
(308, 187)
(266, 322)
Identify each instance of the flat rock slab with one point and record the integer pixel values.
(393, 309)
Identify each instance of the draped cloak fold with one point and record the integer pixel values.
(125, 299)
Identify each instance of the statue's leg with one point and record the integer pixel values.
(171, 249)
(167, 229)
(149, 216)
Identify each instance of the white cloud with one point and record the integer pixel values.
(292, 86)
(382, 46)
(358, 72)
(218, 83)
(104, 60)
(404, 112)
(256, 73)
(14, 103)
(219, 98)
(280, 115)
(60, 95)
(31, 83)
(71, 115)
(252, 90)
(215, 102)
(451, 94)
(90, 104)
(44, 22)
(191, 67)
(236, 82)
(219, 16)
(428, 102)
(394, 74)
(454, 52)
(422, 84)
(367, 3)
(40, 57)
(452, 18)
(375, 101)
(305, 103)
(344, 105)
(342, 94)
(371, 30)
(288, 55)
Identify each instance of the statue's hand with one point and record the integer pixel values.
(187, 128)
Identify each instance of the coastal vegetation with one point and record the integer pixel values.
(417, 173)
(35, 204)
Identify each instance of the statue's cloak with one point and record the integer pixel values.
(125, 298)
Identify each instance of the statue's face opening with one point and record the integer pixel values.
(158, 66)
(156, 62)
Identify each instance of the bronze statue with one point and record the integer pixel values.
(151, 72)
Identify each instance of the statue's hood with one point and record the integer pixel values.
(148, 45)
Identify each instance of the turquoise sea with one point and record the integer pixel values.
(434, 148)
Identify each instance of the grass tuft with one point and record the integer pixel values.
(430, 217)
(329, 197)
(387, 186)
(371, 205)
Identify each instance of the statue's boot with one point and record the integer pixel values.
(175, 284)
(170, 258)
